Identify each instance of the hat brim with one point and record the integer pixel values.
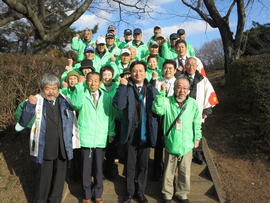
(85, 67)
(122, 74)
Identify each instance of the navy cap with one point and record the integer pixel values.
(111, 27)
(137, 31)
(110, 35)
(181, 32)
(174, 36)
(89, 48)
(128, 32)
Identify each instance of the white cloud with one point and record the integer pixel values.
(160, 2)
(89, 21)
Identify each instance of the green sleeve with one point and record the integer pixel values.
(78, 96)
(166, 53)
(159, 103)
(190, 49)
(64, 91)
(18, 114)
(197, 123)
(75, 43)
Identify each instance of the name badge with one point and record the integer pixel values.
(178, 124)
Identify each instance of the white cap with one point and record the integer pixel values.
(101, 40)
(125, 51)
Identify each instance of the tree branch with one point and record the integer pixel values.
(128, 5)
(9, 16)
(229, 11)
(203, 15)
(41, 8)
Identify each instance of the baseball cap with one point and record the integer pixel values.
(174, 36)
(181, 32)
(159, 35)
(110, 35)
(137, 31)
(101, 40)
(157, 27)
(89, 48)
(153, 43)
(128, 32)
(111, 27)
(125, 51)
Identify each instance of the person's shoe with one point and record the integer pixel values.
(199, 161)
(86, 200)
(142, 198)
(156, 176)
(99, 200)
(167, 201)
(184, 201)
(127, 199)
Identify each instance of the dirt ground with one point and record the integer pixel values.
(240, 152)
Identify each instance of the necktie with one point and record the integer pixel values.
(190, 79)
(168, 88)
(139, 89)
(94, 99)
(183, 63)
(51, 103)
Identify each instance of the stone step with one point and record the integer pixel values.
(110, 198)
(202, 186)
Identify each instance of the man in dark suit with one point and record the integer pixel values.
(51, 118)
(139, 127)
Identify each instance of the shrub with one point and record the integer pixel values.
(20, 76)
(248, 82)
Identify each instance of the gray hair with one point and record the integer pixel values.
(49, 79)
(180, 78)
(189, 58)
(88, 30)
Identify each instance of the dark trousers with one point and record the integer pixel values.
(158, 155)
(111, 149)
(136, 156)
(198, 152)
(49, 179)
(92, 162)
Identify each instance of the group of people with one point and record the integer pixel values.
(120, 100)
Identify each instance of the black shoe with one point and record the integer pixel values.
(167, 201)
(142, 198)
(184, 201)
(199, 161)
(127, 199)
(156, 176)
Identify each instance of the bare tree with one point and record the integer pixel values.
(211, 53)
(209, 12)
(37, 12)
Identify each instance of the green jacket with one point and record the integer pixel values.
(149, 73)
(190, 50)
(124, 45)
(118, 69)
(140, 50)
(95, 124)
(181, 141)
(100, 62)
(66, 91)
(117, 113)
(168, 52)
(79, 46)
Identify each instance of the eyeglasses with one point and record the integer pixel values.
(183, 88)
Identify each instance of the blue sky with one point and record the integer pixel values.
(197, 31)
